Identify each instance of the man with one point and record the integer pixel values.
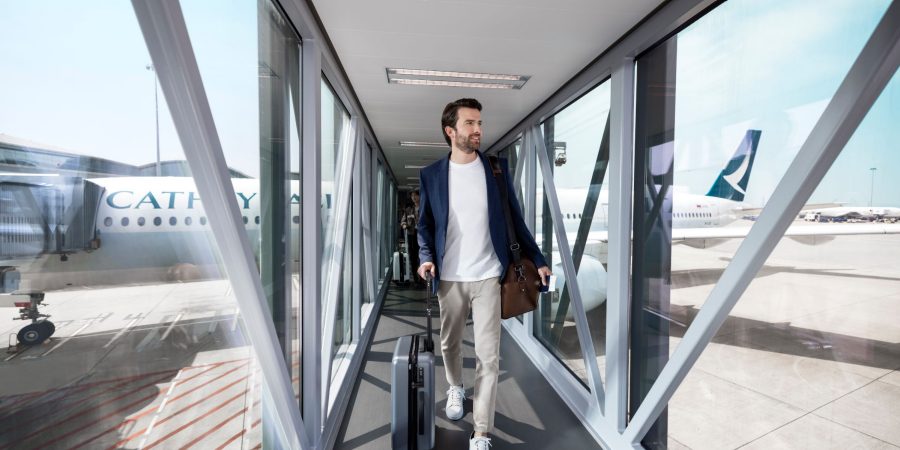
(408, 223)
(463, 244)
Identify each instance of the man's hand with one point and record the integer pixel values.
(426, 267)
(545, 274)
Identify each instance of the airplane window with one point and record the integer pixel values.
(245, 220)
(107, 221)
(141, 221)
(125, 221)
(256, 220)
(188, 220)
(296, 219)
(203, 220)
(173, 221)
(157, 221)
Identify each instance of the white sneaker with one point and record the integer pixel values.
(479, 443)
(456, 395)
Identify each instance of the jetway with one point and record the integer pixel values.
(37, 219)
(271, 351)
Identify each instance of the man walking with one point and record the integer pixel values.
(463, 244)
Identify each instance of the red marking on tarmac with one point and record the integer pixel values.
(79, 413)
(219, 425)
(240, 434)
(220, 390)
(237, 436)
(199, 418)
(74, 389)
(28, 396)
(111, 414)
(152, 408)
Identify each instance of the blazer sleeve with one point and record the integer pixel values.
(526, 239)
(425, 225)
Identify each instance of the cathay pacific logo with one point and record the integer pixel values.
(734, 178)
(177, 199)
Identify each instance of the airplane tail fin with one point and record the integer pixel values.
(732, 181)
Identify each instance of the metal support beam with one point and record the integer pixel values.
(621, 162)
(565, 256)
(311, 236)
(166, 35)
(868, 76)
(584, 227)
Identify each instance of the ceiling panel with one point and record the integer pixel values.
(548, 41)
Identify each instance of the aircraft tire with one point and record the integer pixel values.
(33, 334)
(49, 327)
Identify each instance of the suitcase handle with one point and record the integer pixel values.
(429, 280)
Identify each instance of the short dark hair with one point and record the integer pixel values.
(451, 114)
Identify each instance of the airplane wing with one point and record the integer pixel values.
(802, 233)
(755, 210)
(836, 229)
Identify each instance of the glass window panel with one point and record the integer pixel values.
(578, 149)
(716, 102)
(144, 321)
(380, 230)
(335, 121)
(251, 69)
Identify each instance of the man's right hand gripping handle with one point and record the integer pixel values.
(426, 267)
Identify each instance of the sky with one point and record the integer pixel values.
(74, 76)
(767, 65)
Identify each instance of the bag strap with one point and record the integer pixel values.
(504, 197)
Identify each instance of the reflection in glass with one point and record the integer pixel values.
(577, 144)
(142, 321)
(335, 120)
(722, 110)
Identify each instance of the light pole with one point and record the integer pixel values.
(872, 189)
(156, 102)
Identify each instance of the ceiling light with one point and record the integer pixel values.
(420, 77)
(423, 144)
(409, 166)
(412, 178)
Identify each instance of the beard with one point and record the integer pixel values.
(467, 143)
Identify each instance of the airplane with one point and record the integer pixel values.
(145, 230)
(699, 221)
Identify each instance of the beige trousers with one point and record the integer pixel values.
(456, 298)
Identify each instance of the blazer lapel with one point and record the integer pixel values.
(444, 190)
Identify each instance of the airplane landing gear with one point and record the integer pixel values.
(39, 330)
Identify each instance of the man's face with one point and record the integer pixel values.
(466, 136)
(415, 197)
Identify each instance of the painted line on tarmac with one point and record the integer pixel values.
(69, 337)
(172, 325)
(121, 332)
(184, 394)
(136, 416)
(159, 410)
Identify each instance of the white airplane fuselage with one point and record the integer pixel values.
(150, 230)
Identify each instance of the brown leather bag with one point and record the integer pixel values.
(520, 289)
(522, 285)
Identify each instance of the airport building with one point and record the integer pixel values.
(205, 235)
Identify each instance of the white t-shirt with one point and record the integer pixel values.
(469, 252)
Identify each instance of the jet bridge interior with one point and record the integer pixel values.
(210, 208)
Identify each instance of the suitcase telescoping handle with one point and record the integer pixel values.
(429, 280)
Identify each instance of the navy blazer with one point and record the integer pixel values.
(434, 210)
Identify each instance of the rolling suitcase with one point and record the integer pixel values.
(412, 388)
